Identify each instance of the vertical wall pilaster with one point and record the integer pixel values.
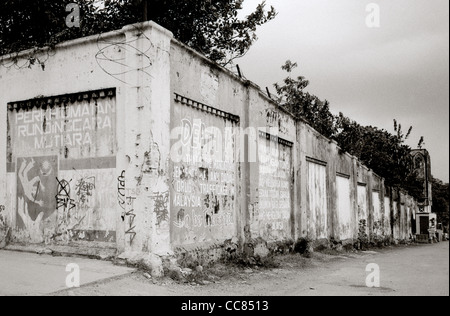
(147, 121)
(243, 217)
(298, 178)
(370, 209)
(354, 182)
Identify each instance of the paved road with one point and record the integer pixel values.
(418, 270)
(405, 271)
(31, 274)
(413, 271)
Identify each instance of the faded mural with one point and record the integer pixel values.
(62, 150)
(271, 219)
(62, 183)
(203, 177)
(36, 189)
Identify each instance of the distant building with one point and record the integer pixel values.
(422, 168)
(425, 220)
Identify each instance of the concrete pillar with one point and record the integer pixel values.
(146, 151)
(297, 198)
(333, 218)
(370, 209)
(354, 183)
(243, 230)
(3, 142)
(302, 186)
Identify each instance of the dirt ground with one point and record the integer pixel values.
(417, 270)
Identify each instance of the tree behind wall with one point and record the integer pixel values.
(302, 104)
(384, 152)
(27, 24)
(212, 27)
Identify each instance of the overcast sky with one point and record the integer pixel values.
(373, 75)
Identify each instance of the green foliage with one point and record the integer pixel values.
(211, 27)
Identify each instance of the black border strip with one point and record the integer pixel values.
(51, 102)
(343, 175)
(206, 108)
(280, 141)
(317, 161)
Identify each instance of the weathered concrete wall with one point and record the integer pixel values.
(206, 174)
(85, 168)
(271, 169)
(342, 199)
(133, 141)
(258, 140)
(329, 190)
(387, 227)
(58, 148)
(396, 220)
(61, 160)
(316, 217)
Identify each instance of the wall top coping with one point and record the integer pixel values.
(144, 26)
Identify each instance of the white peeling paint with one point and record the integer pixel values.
(344, 208)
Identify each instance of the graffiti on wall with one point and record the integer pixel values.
(63, 149)
(121, 192)
(64, 205)
(97, 205)
(63, 200)
(130, 217)
(203, 180)
(204, 200)
(84, 189)
(162, 208)
(86, 211)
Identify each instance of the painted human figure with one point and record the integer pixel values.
(31, 188)
(32, 227)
